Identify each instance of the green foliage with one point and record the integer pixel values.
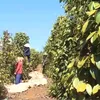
(74, 51)
(98, 18)
(36, 58)
(20, 40)
(7, 57)
(12, 48)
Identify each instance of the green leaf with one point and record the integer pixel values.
(90, 35)
(94, 38)
(73, 98)
(96, 5)
(93, 59)
(92, 74)
(89, 89)
(73, 8)
(89, 13)
(71, 64)
(82, 62)
(98, 18)
(80, 8)
(96, 88)
(95, 73)
(91, 6)
(85, 26)
(98, 64)
(81, 86)
(70, 38)
(75, 82)
(57, 70)
(98, 31)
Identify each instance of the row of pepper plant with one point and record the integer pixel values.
(74, 51)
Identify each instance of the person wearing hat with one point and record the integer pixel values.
(27, 51)
(44, 61)
(18, 70)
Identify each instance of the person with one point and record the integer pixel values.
(44, 61)
(18, 70)
(27, 51)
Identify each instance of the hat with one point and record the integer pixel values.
(27, 45)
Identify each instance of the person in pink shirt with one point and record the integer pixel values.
(18, 70)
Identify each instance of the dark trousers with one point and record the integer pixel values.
(28, 57)
(18, 78)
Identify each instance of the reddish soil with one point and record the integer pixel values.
(35, 93)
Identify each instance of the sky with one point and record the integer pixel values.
(34, 17)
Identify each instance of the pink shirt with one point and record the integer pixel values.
(19, 67)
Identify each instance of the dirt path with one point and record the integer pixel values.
(35, 93)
